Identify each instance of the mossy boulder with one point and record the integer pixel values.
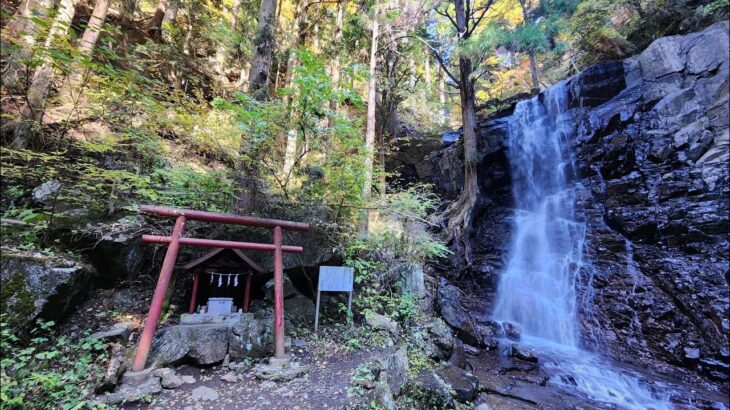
(35, 285)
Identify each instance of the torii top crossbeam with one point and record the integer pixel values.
(175, 240)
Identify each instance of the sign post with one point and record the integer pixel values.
(334, 279)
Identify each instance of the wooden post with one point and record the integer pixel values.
(247, 294)
(278, 295)
(145, 340)
(193, 297)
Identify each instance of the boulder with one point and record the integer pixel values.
(114, 369)
(279, 370)
(454, 314)
(432, 389)
(34, 285)
(441, 336)
(444, 385)
(464, 384)
(113, 248)
(128, 393)
(299, 309)
(204, 393)
(393, 370)
(378, 321)
(118, 333)
(458, 355)
(201, 344)
(437, 342)
(168, 347)
(382, 397)
(208, 344)
(411, 281)
(512, 330)
(387, 379)
(289, 289)
(171, 381)
(252, 337)
(46, 191)
(522, 353)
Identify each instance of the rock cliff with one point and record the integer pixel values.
(651, 148)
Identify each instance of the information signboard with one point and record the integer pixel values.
(334, 279)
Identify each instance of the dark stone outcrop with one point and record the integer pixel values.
(35, 285)
(651, 151)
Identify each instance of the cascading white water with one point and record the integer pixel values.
(537, 290)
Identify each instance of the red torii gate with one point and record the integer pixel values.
(176, 239)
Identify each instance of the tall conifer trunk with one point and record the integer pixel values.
(72, 90)
(461, 211)
(258, 88)
(43, 76)
(22, 31)
(335, 67)
(370, 129)
(263, 43)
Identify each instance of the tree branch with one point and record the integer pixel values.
(484, 11)
(435, 54)
(446, 14)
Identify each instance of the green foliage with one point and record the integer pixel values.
(48, 371)
(531, 37)
(327, 166)
(716, 6)
(400, 242)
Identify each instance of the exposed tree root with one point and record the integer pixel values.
(460, 215)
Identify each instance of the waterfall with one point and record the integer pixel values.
(537, 288)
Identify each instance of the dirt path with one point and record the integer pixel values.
(323, 387)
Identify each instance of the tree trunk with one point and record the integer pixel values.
(530, 53)
(234, 13)
(427, 73)
(91, 34)
(290, 154)
(22, 32)
(442, 96)
(292, 61)
(72, 90)
(168, 19)
(370, 129)
(335, 67)
(32, 114)
(155, 28)
(315, 41)
(258, 85)
(533, 70)
(222, 56)
(461, 211)
(129, 7)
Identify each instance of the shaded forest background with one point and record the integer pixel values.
(253, 107)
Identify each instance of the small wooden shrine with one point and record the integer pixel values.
(222, 273)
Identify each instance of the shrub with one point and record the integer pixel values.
(48, 372)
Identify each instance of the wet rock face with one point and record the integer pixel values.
(651, 149)
(653, 161)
